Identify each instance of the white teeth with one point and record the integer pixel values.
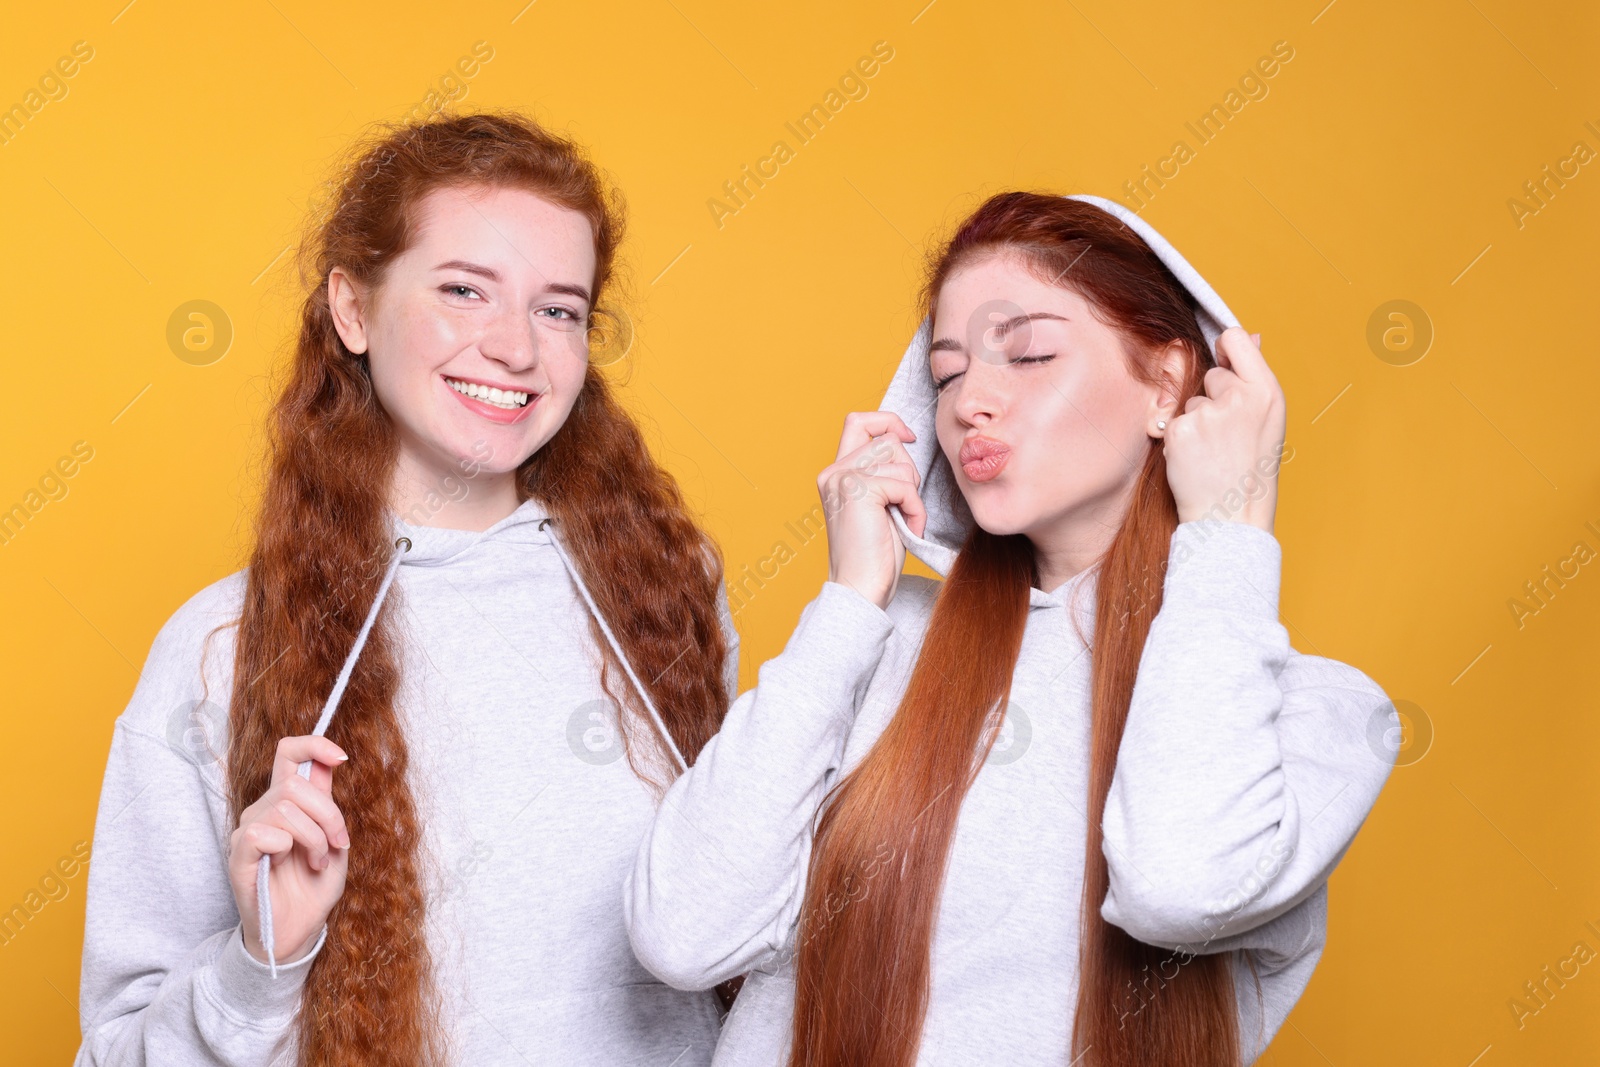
(509, 399)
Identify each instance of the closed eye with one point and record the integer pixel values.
(940, 383)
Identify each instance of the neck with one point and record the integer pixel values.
(1075, 541)
(1057, 567)
(445, 496)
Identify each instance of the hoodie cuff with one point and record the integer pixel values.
(845, 629)
(1221, 565)
(245, 985)
(835, 648)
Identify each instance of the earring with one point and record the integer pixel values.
(1161, 424)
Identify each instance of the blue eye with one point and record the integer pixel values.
(458, 289)
(568, 312)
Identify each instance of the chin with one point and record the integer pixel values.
(994, 518)
(503, 454)
(484, 451)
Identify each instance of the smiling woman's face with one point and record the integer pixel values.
(477, 334)
(1038, 413)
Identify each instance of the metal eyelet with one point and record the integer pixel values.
(404, 542)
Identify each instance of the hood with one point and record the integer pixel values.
(911, 395)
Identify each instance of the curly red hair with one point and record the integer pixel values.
(323, 534)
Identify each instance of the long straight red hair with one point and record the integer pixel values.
(863, 970)
(323, 536)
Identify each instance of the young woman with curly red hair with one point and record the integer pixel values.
(444, 885)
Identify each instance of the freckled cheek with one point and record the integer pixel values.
(566, 358)
(428, 337)
(1067, 430)
(444, 334)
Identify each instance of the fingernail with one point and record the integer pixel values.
(343, 755)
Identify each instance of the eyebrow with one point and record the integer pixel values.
(950, 344)
(493, 275)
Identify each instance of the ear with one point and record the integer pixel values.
(1173, 369)
(349, 304)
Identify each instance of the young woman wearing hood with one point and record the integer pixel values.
(1079, 801)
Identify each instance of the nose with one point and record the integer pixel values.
(511, 338)
(980, 393)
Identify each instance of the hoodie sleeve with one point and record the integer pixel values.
(1245, 768)
(719, 878)
(166, 977)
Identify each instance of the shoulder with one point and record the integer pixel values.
(191, 658)
(718, 573)
(725, 620)
(218, 603)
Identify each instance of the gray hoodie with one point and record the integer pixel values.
(1245, 770)
(531, 818)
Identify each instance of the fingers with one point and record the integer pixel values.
(259, 839)
(292, 751)
(840, 487)
(300, 813)
(295, 815)
(881, 453)
(884, 455)
(1238, 352)
(294, 810)
(904, 472)
(861, 426)
(256, 839)
(305, 831)
(1217, 381)
(904, 494)
(319, 807)
(1239, 359)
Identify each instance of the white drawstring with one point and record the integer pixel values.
(611, 639)
(403, 545)
(264, 865)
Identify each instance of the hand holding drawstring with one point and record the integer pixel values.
(295, 825)
(312, 821)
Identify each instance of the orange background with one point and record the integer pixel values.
(1380, 163)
